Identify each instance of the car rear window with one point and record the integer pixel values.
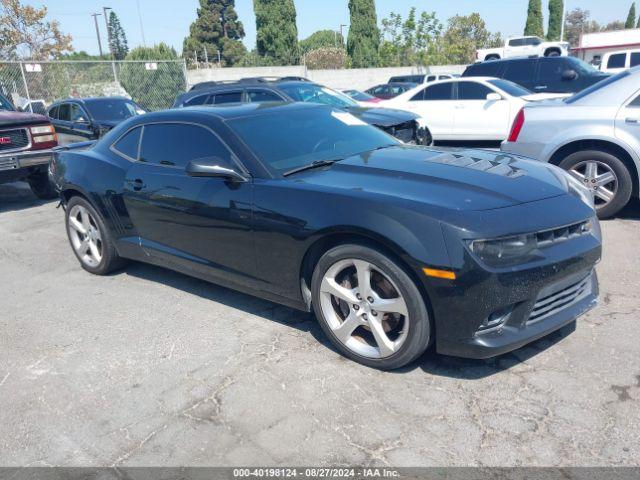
(439, 91)
(128, 144)
(473, 91)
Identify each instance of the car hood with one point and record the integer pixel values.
(458, 179)
(381, 117)
(20, 118)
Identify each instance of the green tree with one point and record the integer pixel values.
(465, 35)
(409, 42)
(555, 20)
(534, 24)
(321, 39)
(276, 31)
(364, 36)
(576, 23)
(631, 17)
(217, 29)
(153, 89)
(117, 38)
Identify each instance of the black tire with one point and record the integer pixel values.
(552, 53)
(41, 186)
(625, 182)
(419, 335)
(489, 58)
(110, 259)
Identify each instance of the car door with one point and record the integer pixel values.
(202, 224)
(514, 47)
(479, 118)
(81, 127)
(435, 103)
(628, 122)
(549, 78)
(64, 125)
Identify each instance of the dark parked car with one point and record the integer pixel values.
(395, 247)
(405, 126)
(82, 119)
(26, 140)
(540, 74)
(390, 90)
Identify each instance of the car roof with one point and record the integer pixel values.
(231, 111)
(88, 99)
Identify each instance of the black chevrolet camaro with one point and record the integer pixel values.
(394, 247)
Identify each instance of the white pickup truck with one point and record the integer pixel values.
(524, 47)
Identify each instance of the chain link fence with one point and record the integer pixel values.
(151, 84)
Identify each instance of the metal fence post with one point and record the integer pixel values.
(184, 72)
(26, 86)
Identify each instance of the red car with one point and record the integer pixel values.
(26, 143)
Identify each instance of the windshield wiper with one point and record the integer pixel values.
(314, 164)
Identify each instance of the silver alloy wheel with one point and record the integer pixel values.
(599, 178)
(85, 236)
(364, 308)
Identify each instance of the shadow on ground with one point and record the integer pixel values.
(431, 362)
(18, 196)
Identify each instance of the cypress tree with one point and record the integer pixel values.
(555, 19)
(276, 31)
(534, 24)
(631, 18)
(364, 36)
(118, 39)
(217, 29)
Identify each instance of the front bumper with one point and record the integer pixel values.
(22, 160)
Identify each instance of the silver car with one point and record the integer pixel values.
(595, 135)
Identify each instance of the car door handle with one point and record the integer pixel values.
(631, 120)
(136, 184)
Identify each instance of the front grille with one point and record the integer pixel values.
(548, 238)
(405, 132)
(15, 139)
(564, 298)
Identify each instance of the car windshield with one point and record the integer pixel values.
(582, 67)
(511, 88)
(109, 109)
(595, 87)
(310, 92)
(358, 95)
(295, 138)
(5, 104)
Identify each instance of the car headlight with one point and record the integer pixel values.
(579, 190)
(500, 252)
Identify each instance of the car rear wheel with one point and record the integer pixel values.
(605, 175)
(89, 238)
(41, 186)
(370, 307)
(552, 53)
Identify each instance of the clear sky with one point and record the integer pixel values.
(169, 20)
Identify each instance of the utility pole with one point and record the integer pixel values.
(144, 43)
(564, 12)
(95, 20)
(341, 35)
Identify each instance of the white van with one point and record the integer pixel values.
(614, 62)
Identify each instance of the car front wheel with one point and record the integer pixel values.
(605, 175)
(370, 307)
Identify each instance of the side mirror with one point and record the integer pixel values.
(494, 97)
(207, 167)
(569, 74)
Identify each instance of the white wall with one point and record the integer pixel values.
(358, 78)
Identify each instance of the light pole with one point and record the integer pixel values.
(144, 43)
(95, 20)
(341, 35)
(564, 12)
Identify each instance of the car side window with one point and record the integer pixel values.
(617, 61)
(473, 91)
(199, 100)
(484, 69)
(520, 70)
(230, 97)
(262, 96)
(516, 42)
(129, 144)
(53, 112)
(635, 59)
(64, 112)
(440, 91)
(635, 102)
(78, 114)
(551, 69)
(176, 144)
(431, 78)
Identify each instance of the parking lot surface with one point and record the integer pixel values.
(150, 367)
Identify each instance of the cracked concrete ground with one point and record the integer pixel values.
(149, 367)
